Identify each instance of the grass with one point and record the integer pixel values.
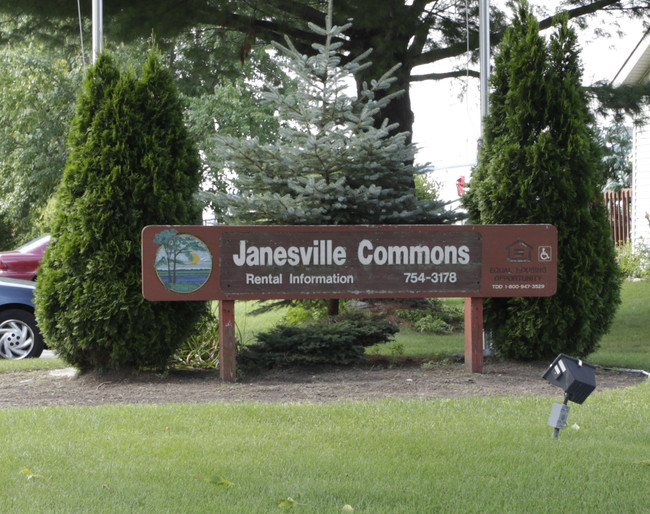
(407, 456)
(469, 455)
(248, 325)
(8, 366)
(418, 344)
(412, 343)
(628, 343)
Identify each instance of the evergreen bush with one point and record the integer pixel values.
(332, 162)
(540, 163)
(130, 164)
(327, 342)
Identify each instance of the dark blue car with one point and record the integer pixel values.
(19, 335)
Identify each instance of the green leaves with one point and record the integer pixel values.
(36, 104)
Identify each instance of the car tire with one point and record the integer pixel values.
(20, 337)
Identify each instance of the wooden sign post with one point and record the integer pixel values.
(474, 335)
(227, 341)
(229, 263)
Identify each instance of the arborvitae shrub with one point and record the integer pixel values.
(540, 163)
(131, 164)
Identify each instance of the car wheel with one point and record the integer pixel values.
(19, 335)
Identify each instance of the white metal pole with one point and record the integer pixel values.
(484, 54)
(98, 31)
(484, 59)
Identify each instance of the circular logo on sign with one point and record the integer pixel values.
(183, 262)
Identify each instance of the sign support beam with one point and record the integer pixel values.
(474, 335)
(227, 359)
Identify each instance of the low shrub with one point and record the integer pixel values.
(201, 349)
(326, 342)
(634, 260)
(437, 318)
(432, 324)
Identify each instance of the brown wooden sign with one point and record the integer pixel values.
(263, 262)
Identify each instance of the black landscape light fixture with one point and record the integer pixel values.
(576, 378)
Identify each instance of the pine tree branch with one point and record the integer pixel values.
(447, 75)
(458, 49)
(268, 30)
(623, 100)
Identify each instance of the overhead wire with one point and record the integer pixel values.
(81, 36)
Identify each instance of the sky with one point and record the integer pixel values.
(447, 123)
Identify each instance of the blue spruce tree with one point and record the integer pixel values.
(330, 164)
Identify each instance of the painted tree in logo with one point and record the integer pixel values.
(178, 249)
(173, 246)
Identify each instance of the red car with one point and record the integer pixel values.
(23, 261)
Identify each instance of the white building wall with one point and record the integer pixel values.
(641, 185)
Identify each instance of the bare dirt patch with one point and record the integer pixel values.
(367, 382)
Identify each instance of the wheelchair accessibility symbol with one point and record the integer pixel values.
(545, 253)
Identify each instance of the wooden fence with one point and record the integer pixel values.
(619, 205)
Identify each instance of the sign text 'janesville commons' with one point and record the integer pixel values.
(382, 261)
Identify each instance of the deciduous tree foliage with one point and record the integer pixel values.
(131, 164)
(40, 83)
(412, 33)
(38, 87)
(541, 163)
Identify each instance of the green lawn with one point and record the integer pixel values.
(468, 455)
(248, 324)
(7, 366)
(453, 455)
(628, 343)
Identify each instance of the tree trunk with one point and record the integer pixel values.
(333, 307)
